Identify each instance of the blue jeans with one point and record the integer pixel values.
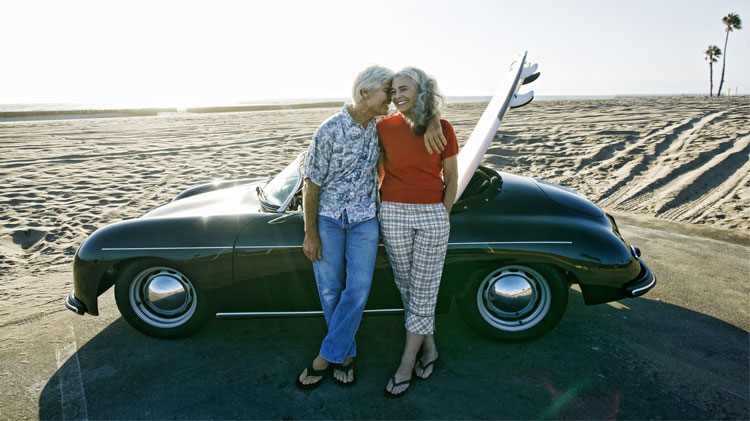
(344, 276)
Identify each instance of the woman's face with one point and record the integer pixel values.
(378, 100)
(404, 92)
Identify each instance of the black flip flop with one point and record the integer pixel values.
(425, 367)
(393, 382)
(315, 373)
(345, 369)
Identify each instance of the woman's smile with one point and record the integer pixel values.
(404, 91)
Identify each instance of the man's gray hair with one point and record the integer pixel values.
(370, 79)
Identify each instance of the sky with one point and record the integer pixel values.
(182, 53)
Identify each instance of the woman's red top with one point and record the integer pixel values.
(411, 174)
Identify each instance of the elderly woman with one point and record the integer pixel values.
(418, 190)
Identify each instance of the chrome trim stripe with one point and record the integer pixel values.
(508, 242)
(450, 244)
(300, 313)
(300, 246)
(268, 247)
(163, 248)
(385, 311)
(269, 313)
(278, 247)
(650, 284)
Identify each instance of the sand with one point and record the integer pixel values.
(674, 158)
(681, 159)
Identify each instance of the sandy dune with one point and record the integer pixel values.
(683, 159)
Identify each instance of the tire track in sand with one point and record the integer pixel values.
(687, 152)
(646, 159)
(694, 193)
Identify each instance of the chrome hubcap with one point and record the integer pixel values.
(162, 297)
(513, 298)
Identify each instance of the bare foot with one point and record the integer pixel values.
(319, 363)
(344, 373)
(403, 374)
(425, 366)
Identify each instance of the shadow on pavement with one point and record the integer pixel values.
(633, 359)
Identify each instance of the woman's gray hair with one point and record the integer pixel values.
(428, 102)
(370, 79)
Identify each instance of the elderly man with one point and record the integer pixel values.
(341, 228)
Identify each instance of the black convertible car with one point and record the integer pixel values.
(234, 249)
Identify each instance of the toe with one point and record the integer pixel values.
(305, 379)
(424, 373)
(419, 371)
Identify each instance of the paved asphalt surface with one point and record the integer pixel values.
(680, 352)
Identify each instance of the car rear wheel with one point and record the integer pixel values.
(159, 300)
(514, 302)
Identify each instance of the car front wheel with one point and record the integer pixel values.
(159, 300)
(514, 302)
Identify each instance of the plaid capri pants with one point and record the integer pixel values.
(416, 239)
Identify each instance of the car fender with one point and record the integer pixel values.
(201, 246)
(521, 225)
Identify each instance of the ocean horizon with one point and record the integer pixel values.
(83, 106)
(29, 109)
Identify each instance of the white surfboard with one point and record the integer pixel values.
(473, 151)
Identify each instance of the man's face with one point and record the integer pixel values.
(378, 100)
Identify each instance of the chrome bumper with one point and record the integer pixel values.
(74, 305)
(646, 280)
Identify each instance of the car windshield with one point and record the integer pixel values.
(275, 195)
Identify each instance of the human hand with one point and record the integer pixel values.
(312, 247)
(434, 140)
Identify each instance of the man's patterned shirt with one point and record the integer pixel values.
(342, 160)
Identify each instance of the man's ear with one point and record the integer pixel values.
(364, 93)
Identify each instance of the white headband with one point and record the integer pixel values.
(411, 73)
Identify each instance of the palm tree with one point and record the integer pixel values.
(712, 56)
(732, 21)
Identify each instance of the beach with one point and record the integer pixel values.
(679, 159)
(673, 171)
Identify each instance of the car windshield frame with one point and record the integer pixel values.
(278, 191)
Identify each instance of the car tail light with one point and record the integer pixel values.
(636, 251)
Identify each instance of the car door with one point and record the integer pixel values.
(271, 273)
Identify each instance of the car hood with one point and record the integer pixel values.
(240, 199)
